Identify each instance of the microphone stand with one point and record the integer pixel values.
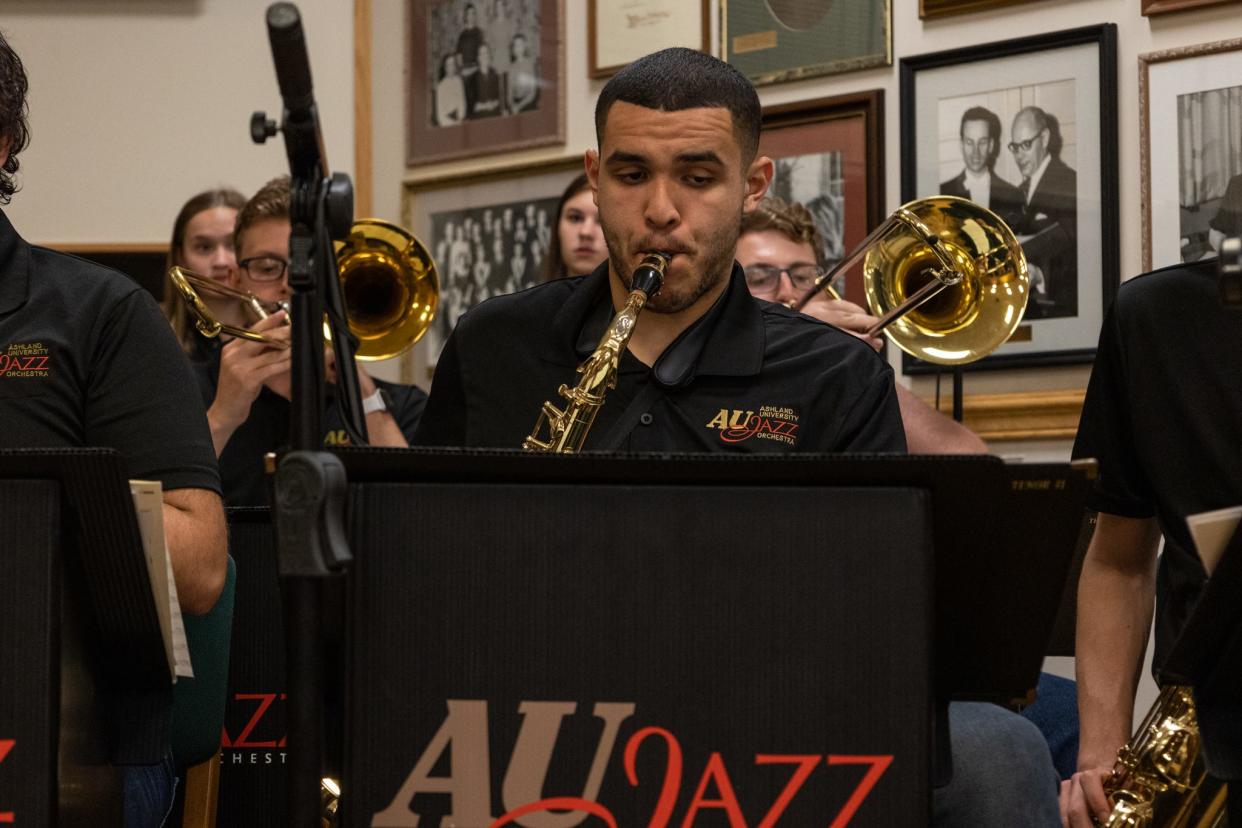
(311, 486)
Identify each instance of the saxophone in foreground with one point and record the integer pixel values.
(567, 429)
(1160, 779)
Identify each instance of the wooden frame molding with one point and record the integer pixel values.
(1026, 415)
(363, 160)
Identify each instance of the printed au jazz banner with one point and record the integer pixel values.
(553, 656)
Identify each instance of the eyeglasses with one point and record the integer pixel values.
(763, 279)
(1014, 146)
(264, 268)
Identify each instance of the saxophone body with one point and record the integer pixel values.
(564, 430)
(1160, 779)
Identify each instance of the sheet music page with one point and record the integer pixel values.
(1211, 532)
(149, 504)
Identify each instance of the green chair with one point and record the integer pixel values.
(198, 703)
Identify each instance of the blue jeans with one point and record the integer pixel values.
(1055, 713)
(1002, 772)
(149, 792)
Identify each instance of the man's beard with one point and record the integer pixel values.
(714, 267)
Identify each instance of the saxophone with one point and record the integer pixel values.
(567, 429)
(1160, 779)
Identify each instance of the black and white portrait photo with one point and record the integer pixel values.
(1014, 152)
(1209, 169)
(483, 252)
(816, 180)
(482, 58)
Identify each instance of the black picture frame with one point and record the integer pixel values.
(1057, 65)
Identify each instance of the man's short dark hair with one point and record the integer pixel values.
(270, 202)
(982, 113)
(675, 79)
(14, 129)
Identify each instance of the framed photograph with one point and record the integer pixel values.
(1151, 7)
(930, 9)
(829, 157)
(771, 41)
(1028, 129)
(487, 234)
(483, 76)
(621, 31)
(1190, 135)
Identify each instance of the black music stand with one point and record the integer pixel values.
(470, 569)
(86, 684)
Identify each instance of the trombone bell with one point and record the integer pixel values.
(965, 321)
(390, 288)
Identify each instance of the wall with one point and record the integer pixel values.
(135, 105)
(1136, 35)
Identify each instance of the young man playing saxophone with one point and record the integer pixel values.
(707, 368)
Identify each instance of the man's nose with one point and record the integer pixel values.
(661, 210)
(786, 293)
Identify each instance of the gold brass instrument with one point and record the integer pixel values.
(567, 429)
(388, 280)
(329, 802)
(1160, 779)
(390, 285)
(946, 277)
(190, 285)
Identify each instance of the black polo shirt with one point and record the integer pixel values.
(1163, 415)
(749, 376)
(267, 427)
(87, 359)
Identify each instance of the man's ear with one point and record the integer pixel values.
(590, 161)
(758, 177)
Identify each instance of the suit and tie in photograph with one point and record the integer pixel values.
(1048, 227)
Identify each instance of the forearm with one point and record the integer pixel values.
(382, 430)
(222, 424)
(1115, 601)
(930, 432)
(197, 546)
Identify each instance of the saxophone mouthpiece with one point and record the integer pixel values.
(649, 275)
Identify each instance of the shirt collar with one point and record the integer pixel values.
(1039, 173)
(984, 177)
(726, 341)
(14, 267)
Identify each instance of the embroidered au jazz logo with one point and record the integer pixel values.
(770, 422)
(25, 359)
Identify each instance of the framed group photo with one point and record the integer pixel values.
(772, 41)
(483, 76)
(487, 233)
(1028, 129)
(1190, 102)
(621, 31)
(828, 155)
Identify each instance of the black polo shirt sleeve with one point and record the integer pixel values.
(1106, 430)
(408, 402)
(873, 423)
(443, 421)
(140, 398)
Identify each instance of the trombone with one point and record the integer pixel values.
(946, 277)
(390, 285)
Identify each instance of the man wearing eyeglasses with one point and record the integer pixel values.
(979, 135)
(778, 251)
(1048, 228)
(247, 385)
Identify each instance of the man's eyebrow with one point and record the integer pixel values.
(619, 157)
(705, 157)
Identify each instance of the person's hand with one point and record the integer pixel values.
(1083, 801)
(1038, 283)
(245, 367)
(845, 315)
